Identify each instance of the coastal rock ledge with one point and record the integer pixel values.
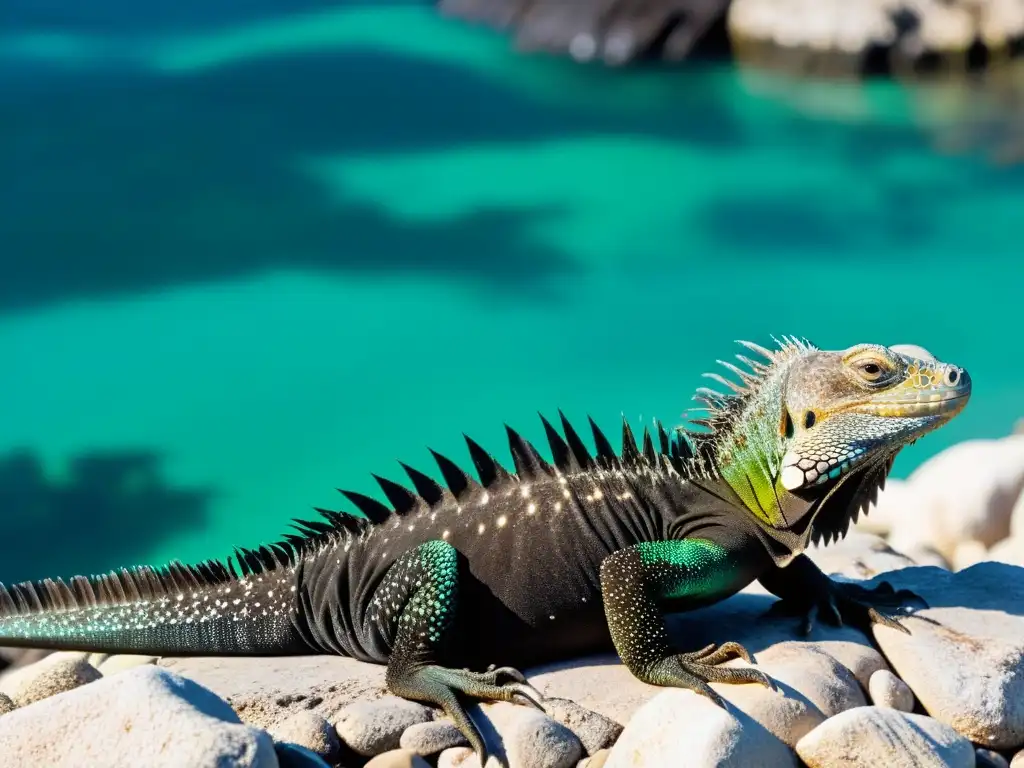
(874, 35)
(949, 694)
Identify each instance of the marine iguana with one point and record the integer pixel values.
(561, 558)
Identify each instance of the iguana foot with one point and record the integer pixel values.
(444, 688)
(696, 669)
(839, 602)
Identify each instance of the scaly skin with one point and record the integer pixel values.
(560, 559)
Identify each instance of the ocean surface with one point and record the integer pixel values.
(253, 254)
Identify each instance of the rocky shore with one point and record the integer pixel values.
(880, 36)
(949, 694)
(826, 36)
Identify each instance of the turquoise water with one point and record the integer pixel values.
(250, 259)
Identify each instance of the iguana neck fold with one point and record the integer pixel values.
(749, 431)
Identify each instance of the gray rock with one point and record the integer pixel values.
(601, 683)
(596, 760)
(432, 738)
(6, 705)
(373, 727)
(814, 674)
(56, 673)
(460, 757)
(521, 735)
(594, 731)
(964, 493)
(297, 756)
(398, 758)
(531, 738)
(144, 716)
(266, 690)
(963, 658)
(680, 722)
(874, 736)
(1010, 551)
(887, 690)
(121, 661)
(97, 658)
(812, 686)
(858, 556)
(308, 730)
(986, 758)
(922, 554)
(818, 28)
(13, 658)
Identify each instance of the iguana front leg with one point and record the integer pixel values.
(636, 579)
(804, 588)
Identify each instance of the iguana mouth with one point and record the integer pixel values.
(916, 407)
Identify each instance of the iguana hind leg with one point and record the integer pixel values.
(420, 595)
(633, 582)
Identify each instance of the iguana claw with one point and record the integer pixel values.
(840, 603)
(696, 669)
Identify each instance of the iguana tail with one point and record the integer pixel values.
(204, 609)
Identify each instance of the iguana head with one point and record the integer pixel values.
(807, 437)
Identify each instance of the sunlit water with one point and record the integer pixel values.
(279, 254)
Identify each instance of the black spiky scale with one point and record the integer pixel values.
(82, 588)
(459, 483)
(130, 589)
(649, 454)
(265, 557)
(605, 453)
(252, 564)
(57, 598)
(281, 553)
(428, 489)
(313, 526)
(630, 454)
(561, 453)
(487, 467)
(342, 521)
(375, 512)
(239, 558)
(401, 498)
(663, 439)
(579, 450)
(528, 461)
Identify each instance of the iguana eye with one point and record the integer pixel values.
(870, 371)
